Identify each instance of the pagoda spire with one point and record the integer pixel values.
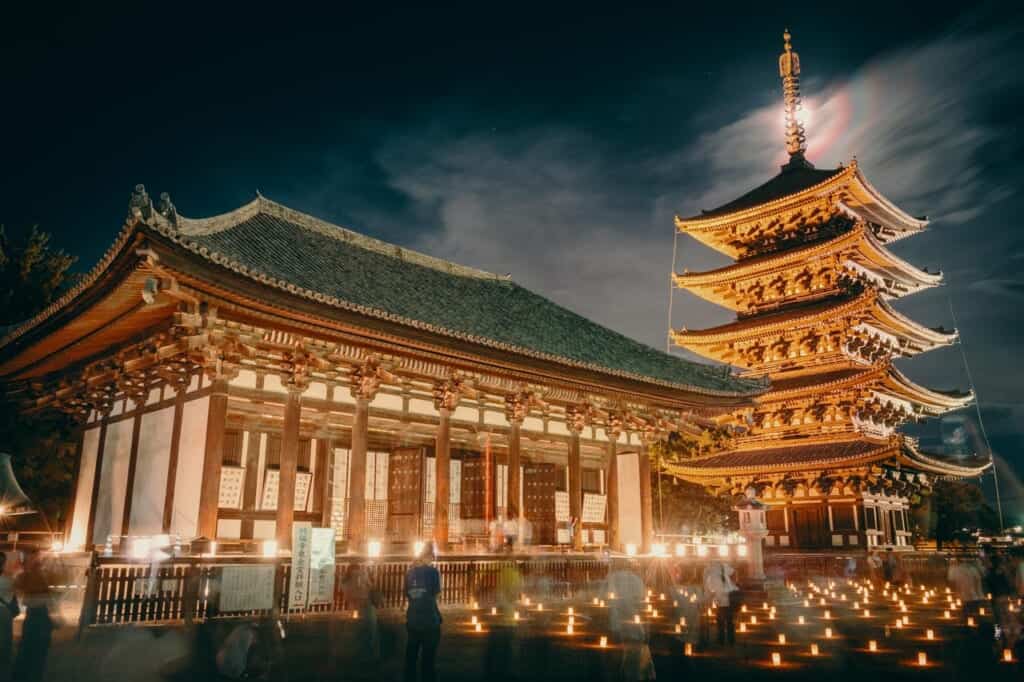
(789, 70)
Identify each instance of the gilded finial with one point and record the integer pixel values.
(789, 71)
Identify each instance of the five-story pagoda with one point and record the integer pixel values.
(811, 287)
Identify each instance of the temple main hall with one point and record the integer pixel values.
(235, 376)
(813, 286)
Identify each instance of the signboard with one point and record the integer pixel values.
(247, 587)
(597, 536)
(232, 481)
(564, 537)
(561, 506)
(271, 482)
(298, 580)
(593, 508)
(321, 567)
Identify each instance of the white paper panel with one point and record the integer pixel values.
(630, 529)
(83, 491)
(229, 529)
(150, 488)
(113, 480)
(189, 477)
(264, 530)
(561, 506)
(430, 480)
(501, 474)
(455, 481)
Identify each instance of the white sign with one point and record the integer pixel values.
(298, 580)
(593, 508)
(597, 536)
(271, 482)
(232, 480)
(248, 587)
(564, 537)
(561, 507)
(321, 567)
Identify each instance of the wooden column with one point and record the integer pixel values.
(575, 486)
(322, 490)
(613, 489)
(442, 464)
(252, 479)
(356, 522)
(172, 460)
(209, 495)
(288, 467)
(94, 496)
(512, 510)
(133, 461)
(646, 507)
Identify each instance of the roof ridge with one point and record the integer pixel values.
(261, 204)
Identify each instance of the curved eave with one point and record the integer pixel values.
(912, 457)
(872, 205)
(899, 324)
(704, 468)
(852, 380)
(933, 402)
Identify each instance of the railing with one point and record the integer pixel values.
(127, 591)
(920, 567)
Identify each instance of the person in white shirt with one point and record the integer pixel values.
(965, 576)
(719, 588)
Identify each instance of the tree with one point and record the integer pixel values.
(953, 510)
(32, 275)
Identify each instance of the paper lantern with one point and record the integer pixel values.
(814, 650)
(922, 658)
(603, 643)
(872, 645)
(776, 658)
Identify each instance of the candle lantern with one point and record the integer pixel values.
(776, 658)
(603, 643)
(872, 645)
(814, 650)
(922, 658)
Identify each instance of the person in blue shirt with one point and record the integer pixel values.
(422, 618)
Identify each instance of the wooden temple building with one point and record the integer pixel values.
(236, 375)
(812, 285)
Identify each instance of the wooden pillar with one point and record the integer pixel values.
(133, 460)
(512, 510)
(613, 493)
(575, 487)
(442, 464)
(252, 478)
(646, 507)
(288, 468)
(209, 495)
(172, 460)
(322, 482)
(356, 522)
(94, 495)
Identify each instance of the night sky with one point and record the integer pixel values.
(551, 142)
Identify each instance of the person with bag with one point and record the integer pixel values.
(9, 610)
(422, 617)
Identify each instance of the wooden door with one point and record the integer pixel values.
(473, 494)
(405, 494)
(808, 526)
(540, 481)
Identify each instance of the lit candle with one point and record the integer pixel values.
(540, 607)
(806, 603)
(636, 620)
(930, 634)
(743, 609)
(800, 620)
(355, 615)
(753, 620)
(828, 615)
(743, 627)
(494, 610)
(814, 650)
(856, 605)
(679, 629)
(477, 627)
(604, 642)
(473, 620)
(611, 595)
(899, 624)
(945, 614)
(572, 620)
(981, 611)
(906, 620)
(828, 633)
(568, 629)
(515, 615)
(596, 601)
(867, 613)
(526, 601)
(476, 605)
(922, 658)
(654, 613)
(764, 606)
(570, 611)
(682, 621)
(1007, 655)
(688, 649)
(601, 604)
(776, 658)
(872, 645)
(782, 639)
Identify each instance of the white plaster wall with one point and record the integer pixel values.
(533, 424)
(388, 401)
(246, 379)
(147, 516)
(229, 529)
(317, 390)
(558, 428)
(264, 530)
(467, 414)
(83, 491)
(117, 452)
(189, 475)
(630, 528)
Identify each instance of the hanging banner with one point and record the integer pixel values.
(321, 567)
(298, 581)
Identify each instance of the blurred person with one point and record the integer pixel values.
(998, 585)
(37, 630)
(720, 589)
(965, 576)
(9, 610)
(636, 662)
(360, 596)
(422, 617)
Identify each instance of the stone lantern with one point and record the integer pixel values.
(754, 528)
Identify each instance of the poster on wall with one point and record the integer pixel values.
(271, 482)
(593, 508)
(321, 567)
(232, 482)
(561, 506)
(247, 587)
(298, 580)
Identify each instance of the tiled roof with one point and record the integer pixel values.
(784, 458)
(277, 245)
(789, 181)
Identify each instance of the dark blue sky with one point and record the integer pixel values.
(553, 142)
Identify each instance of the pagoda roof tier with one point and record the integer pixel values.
(813, 457)
(796, 201)
(267, 256)
(863, 328)
(884, 380)
(812, 271)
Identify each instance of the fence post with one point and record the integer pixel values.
(90, 601)
(190, 593)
